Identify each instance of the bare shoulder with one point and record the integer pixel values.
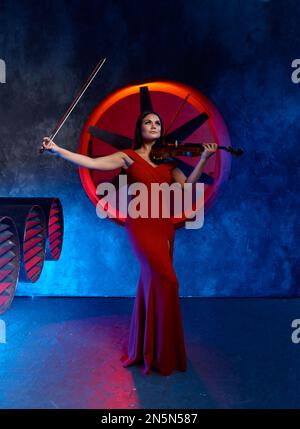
(127, 160)
(116, 160)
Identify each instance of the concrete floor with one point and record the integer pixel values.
(65, 353)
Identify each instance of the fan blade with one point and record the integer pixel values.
(188, 128)
(115, 140)
(145, 99)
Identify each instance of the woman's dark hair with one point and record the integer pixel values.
(138, 140)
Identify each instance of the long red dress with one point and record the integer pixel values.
(156, 335)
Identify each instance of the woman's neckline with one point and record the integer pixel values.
(145, 160)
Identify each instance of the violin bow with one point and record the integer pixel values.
(84, 87)
(176, 114)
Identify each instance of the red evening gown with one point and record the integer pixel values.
(156, 335)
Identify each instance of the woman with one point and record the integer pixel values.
(156, 336)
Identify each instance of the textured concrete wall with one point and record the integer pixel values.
(239, 54)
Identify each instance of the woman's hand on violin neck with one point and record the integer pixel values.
(210, 149)
(49, 145)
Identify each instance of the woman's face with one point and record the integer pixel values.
(151, 128)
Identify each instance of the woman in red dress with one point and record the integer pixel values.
(156, 336)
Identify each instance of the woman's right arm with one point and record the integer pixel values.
(104, 163)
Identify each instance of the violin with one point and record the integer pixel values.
(178, 148)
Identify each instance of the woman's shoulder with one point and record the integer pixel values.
(129, 152)
(126, 150)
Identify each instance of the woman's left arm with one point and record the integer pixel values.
(178, 176)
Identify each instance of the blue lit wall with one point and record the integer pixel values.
(238, 54)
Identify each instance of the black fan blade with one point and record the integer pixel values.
(115, 140)
(145, 99)
(187, 129)
(187, 169)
